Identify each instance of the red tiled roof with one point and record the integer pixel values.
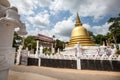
(45, 38)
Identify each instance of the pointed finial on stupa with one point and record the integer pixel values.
(78, 22)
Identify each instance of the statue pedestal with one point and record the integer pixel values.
(4, 74)
(6, 61)
(9, 19)
(6, 51)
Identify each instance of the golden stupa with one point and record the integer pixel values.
(80, 35)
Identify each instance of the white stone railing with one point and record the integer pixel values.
(83, 52)
(84, 56)
(67, 57)
(86, 52)
(69, 51)
(89, 50)
(78, 59)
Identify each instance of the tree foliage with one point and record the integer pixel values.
(30, 42)
(59, 44)
(99, 39)
(115, 28)
(17, 40)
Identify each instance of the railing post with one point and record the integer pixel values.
(39, 61)
(78, 64)
(78, 56)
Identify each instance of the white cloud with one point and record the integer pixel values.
(26, 7)
(87, 26)
(96, 8)
(45, 32)
(64, 28)
(44, 3)
(34, 31)
(39, 20)
(103, 29)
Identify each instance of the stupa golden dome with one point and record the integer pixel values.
(80, 35)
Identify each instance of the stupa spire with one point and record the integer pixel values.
(78, 22)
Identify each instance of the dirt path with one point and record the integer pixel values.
(66, 74)
(27, 76)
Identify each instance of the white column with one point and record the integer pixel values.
(39, 61)
(78, 63)
(37, 48)
(114, 45)
(53, 50)
(119, 46)
(78, 56)
(41, 50)
(58, 51)
(79, 53)
(18, 55)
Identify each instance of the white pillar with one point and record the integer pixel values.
(53, 50)
(41, 50)
(37, 48)
(37, 45)
(58, 50)
(18, 55)
(39, 61)
(119, 46)
(114, 45)
(78, 63)
(79, 53)
(78, 56)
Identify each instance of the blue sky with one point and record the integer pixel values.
(57, 17)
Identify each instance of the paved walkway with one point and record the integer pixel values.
(45, 73)
(27, 76)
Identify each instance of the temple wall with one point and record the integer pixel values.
(74, 59)
(104, 65)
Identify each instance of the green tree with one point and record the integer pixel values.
(110, 37)
(30, 42)
(115, 28)
(92, 36)
(99, 39)
(16, 40)
(59, 44)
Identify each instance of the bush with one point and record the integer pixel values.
(118, 52)
(46, 51)
(117, 47)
